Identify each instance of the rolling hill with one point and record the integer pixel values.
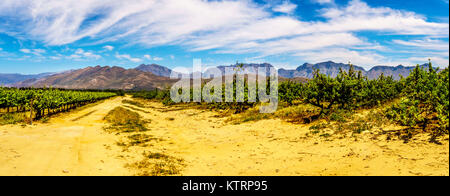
(101, 78)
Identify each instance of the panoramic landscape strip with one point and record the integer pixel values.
(245, 90)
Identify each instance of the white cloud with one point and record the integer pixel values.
(128, 57)
(358, 16)
(82, 53)
(286, 7)
(37, 52)
(432, 44)
(323, 1)
(56, 57)
(365, 59)
(25, 50)
(227, 26)
(40, 51)
(107, 47)
(297, 44)
(182, 22)
(74, 56)
(61, 22)
(149, 57)
(157, 59)
(171, 56)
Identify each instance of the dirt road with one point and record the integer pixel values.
(69, 144)
(75, 144)
(274, 147)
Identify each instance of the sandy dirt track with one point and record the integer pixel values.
(208, 146)
(69, 144)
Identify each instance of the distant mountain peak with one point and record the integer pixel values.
(9, 79)
(102, 77)
(155, 69)
(331, 68)
(147, 76)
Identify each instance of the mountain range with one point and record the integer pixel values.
(7, 79)
(157, 76)
(332, 69)
(99, 77)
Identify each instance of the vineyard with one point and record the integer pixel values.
(42, 102)
(423, 95)
(421, 99)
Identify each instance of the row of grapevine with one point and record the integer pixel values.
(216, 101)
(424, 95)
(349, 90)
(425, 101)
(52, 100)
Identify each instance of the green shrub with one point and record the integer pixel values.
(426, 101)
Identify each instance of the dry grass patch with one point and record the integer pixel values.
(142, 140)
(14, 118)
(303, 113)
(158, 164)
(124, 120)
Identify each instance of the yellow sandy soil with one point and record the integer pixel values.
(62, 146)
(209, 146)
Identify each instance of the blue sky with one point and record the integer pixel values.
(52, 35)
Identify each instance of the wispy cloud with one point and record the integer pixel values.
(5, 53)
(323, 1)
(158, 58)
(286, 7)
(83, 53)
(128, 57)
(155, 58)
(58, 57)
(432, 44)
(109, 48)
(37, 52)
(238, 26)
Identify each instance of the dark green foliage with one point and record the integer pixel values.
(49, 100)
(349, 90)
(426, 101)
(322, 92)
(157, 94)
(424, 97)
(290, 91)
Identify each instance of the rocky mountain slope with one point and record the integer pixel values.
(101, 78)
